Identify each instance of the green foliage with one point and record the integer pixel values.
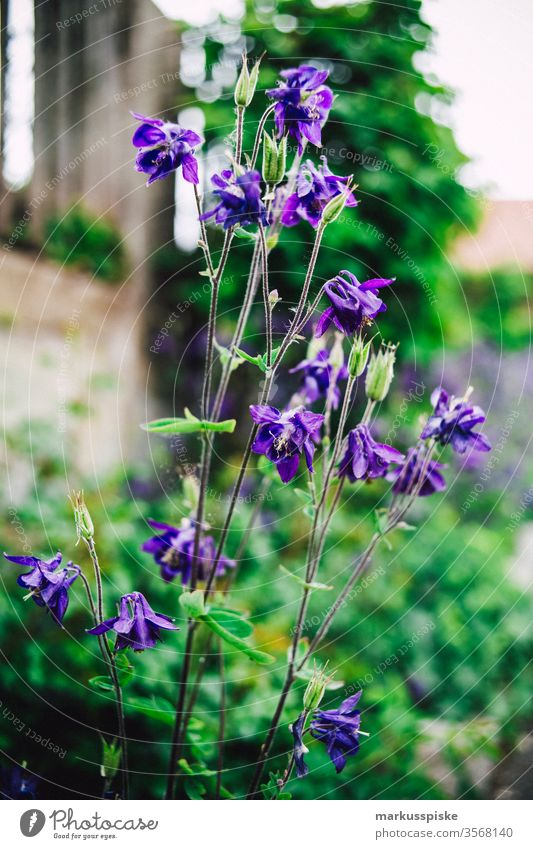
(91, 244)
(380, 129)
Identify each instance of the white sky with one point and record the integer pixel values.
(483, 50)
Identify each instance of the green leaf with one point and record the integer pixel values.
(255, 361)
(226, 356)
(102, 683)
(238, 643)
(271, 790)
(193, 604)
(111, 755)
(196, 770)
(304, 496)
(189, 424)
(125, 670)
(154, 707)
(314, 585)
(232, 620)
(241, 233)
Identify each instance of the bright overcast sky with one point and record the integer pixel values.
(483, 51)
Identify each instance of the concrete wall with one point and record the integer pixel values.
(72, 343)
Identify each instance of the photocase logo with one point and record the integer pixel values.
(32, 822)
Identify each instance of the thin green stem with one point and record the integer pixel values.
(238, 143)
(259, 133)
(268, 311)
(222, 721)
(109, 658)
(176, 742)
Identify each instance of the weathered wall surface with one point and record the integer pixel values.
(73, 345)
(74, 359)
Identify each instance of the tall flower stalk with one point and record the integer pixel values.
(311, 433)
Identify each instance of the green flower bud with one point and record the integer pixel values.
(336, 355)
(314, 347)
(334, 207)
(274, 160)
(243, 84)
(111, 755)
(358, 356)
(191, 491)
(380, 373)
(273, 298)
(316, 688)
(246, 84)
(82, 517)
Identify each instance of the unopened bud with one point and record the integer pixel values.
(111, 756)
(191, 491)
(246, 83)
(334, 207)
(316, 688)
(273, 298)
(82, 517)
(336, 355)
(314, 347)
(274, 159)
(380, 373)
(358, 356)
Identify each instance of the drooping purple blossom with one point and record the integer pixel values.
(173, 549)
(302, 104)
(317, 374)
(282, 437)
(339, 730)
(453, 421)
(351, 303)
(406, 477)
(137, 626)
(314, 188)
(364, 458)
(48, 584)
(164, 147)
(17, 783)
(300, 749)
(240, 201)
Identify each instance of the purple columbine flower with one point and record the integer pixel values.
(339, 729)
(164, 148)
(317, 376)
(173, 550)
(16, 783)
(283, 436)
(240, 199)
(48, 584)
(364, 458)
(453, 421)
(137, 625)
(300, 749)
(406, 476)
(302, 104)
(352, 303)
(314, 188)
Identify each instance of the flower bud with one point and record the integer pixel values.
(314, 347)
(111, 756)
(274, 159)
(191, 491)
(358, 356)
(273, 298)
(380, 373)
(334, 207)
(82, 517)
(245, 88)
(316, 688)
(336, 355)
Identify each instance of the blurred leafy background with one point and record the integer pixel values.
(445, 714)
